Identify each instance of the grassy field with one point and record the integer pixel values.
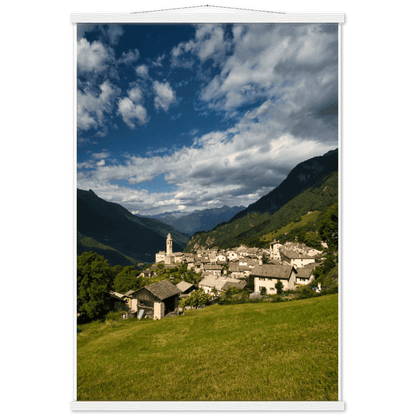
(305, 219)
(266, 351)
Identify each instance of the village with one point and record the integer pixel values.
(291, 263)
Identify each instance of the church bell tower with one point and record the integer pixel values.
(169, 245)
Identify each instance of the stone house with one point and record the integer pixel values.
(274, 249)
(214, 269)
(267, 275)
(221, 257)
(158, 300)
(185, 287)
(232, 255)
(118, 301)
(296, 258)
(304, 275)
(236, 271)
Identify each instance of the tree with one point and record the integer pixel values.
(265, 259)
(127, 280)
(279, 287)
(197, 299)
(313, 239)
(93, 284)
(328, 227)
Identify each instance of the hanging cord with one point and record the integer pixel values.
(206, 5)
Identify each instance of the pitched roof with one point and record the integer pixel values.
(212, 281)
(234, 267)
(129, 293)
(239, 284)
(182, 286)
(296, 254)
(213, 267)
(304, 273)
(272, 271)
(163, 289)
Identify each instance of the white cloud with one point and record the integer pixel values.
(165, 96)
(131, 108)
(159, 60)
(91, 56)
(129, 57)
(102, 155)
(114, 33)
(131, 113)
(92, 107)
(142, 71)
(101, 163)
(209, 42)
(135, 94)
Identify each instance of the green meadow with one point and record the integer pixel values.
(259, 351)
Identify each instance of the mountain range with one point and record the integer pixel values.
(199, 220)
(112, 225)
(311, 186)
(301, 177)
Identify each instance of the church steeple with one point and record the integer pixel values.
(169, 245)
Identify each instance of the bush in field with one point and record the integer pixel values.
(196, 299)
(113, 315)
(304, 292)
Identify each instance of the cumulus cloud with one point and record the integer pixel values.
(91, 56)
(114, 33)
(131, 113)
(209, 43)
(101, 155)
(142, 71)
(129, 57)
(93, 107)
(165, 96)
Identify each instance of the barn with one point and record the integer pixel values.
(158, 300)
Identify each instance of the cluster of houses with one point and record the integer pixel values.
(292, 264)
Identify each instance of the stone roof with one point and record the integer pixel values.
(212, 281)
(182, 286)
(304, 273)
(129, 293)
(295, 254)
(252, 250)
(234, 267)
(213, 267)
(163, 289)
(272, 271)
(239, 284)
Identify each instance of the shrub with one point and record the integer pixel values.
(113, 315)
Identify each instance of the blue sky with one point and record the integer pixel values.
(186, 117)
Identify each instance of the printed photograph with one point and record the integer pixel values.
(207, 212)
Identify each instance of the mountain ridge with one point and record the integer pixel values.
(111, 224)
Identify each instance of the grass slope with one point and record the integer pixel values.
(266, 351)
(305, 219)
(112, 255)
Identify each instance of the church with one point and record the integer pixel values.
(167, 256)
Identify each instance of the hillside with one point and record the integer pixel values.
(260, 351)
(113, 256)
(250, 229)
(112, 225)
(302, 176)
(199, 220)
